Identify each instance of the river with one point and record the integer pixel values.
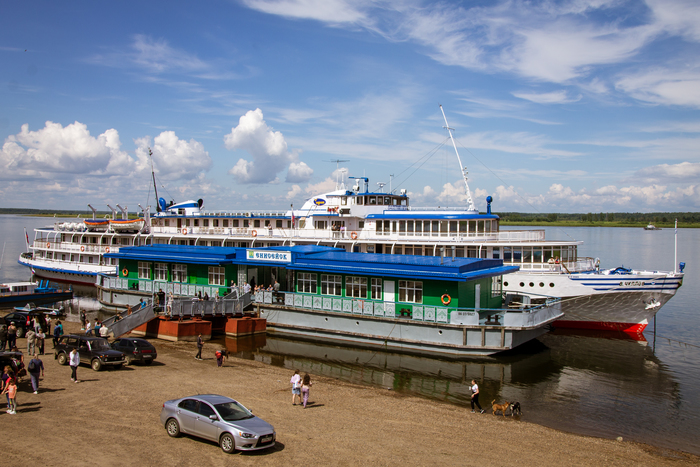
(591, 383)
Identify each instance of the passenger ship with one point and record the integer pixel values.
(360, 220)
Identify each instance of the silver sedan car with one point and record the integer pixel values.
(217, 418)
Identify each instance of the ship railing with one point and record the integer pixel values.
(75, 247)
(118, 325)
(517, 311)
(583, 264)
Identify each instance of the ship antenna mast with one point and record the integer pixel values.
(155, 187)
(470, 202)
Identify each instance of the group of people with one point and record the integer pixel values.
(99, 330)
(300, 388)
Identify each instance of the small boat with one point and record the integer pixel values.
(32, 308)
(17, 293)
(96, 224)
(127, 225)
(651, 227)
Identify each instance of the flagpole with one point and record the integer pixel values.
(675, 249)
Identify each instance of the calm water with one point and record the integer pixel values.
(597, 384)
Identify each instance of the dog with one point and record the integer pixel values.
(502, 407)
(515, 408)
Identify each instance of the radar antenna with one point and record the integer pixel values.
(470, 202)
(337, 172)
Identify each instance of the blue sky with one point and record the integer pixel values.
(558, 106)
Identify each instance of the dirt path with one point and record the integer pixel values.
(112, 418)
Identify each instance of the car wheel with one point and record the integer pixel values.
(172, 427)
(62, 359)
(227, 443)
(20, 332)
(96, 364)
(129, 360)
(147, 362)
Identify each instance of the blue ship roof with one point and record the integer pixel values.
(411, 215)
(325, 259)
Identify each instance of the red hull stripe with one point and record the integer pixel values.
(635, 328)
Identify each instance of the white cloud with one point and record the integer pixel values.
(685, 172)
(299, 172)
(294, 193)
(174, 158)
(554, 97)
(668, 86)
(68, 150)
(332, 11)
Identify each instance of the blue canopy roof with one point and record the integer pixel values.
(325, 259)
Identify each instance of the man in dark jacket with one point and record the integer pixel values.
(3, 337)
(200, 344)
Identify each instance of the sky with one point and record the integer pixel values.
(557, 106)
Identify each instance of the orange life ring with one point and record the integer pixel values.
(82, 247)
(107, 250)
(445, 299)
(254, 233)
(184, 231)
(353, 235)
(48, 245)
(125, 272)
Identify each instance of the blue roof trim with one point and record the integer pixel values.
(409, 215)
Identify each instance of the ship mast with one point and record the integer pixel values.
(470, 202)
(155, 187)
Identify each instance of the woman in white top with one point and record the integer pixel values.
(475, 396)
(74, 362)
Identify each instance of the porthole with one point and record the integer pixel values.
(522, 284)
(551, 284)
(326, 319)
(505, 284)
(532, 284)
(357, 323)
(541, 284)
(440, 332)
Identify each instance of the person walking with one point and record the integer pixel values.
(31, 342)
(475, 396)
(3, 337)
(161, 300)
(82, 320)
(57, 332)
(88, 328)
(200, 345)
(170, 304)
(74, 361)
(11, 336)
(296, 387)
(7, 375)
(98, 325)
(35, 369)
(305, 386)
(40, 341)
(11, 391)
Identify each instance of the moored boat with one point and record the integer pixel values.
(19, 293)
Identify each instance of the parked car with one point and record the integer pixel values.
(220, 419)
(135, 350)
(94, 351)
(20, 320)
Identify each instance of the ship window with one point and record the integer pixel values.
(246, 223)
(402, 227)
(394, 201)
(404, 201)
(376, 288)
(507, 255)
(496, 288)
(331, 284)
(379, 226)
(496, 254)
(537, 255)
(359, 200)
(408, 250)
(234, 223)
(527, 254)
(256, 223)
(321, 225)
(380, 200)
(180, 273)
(160, 272)
(410, 291)
(278, 223)
(196, 222)
(398, 250)
(453, 226)
(205, 222)
(362, 225)
(306, 282)
(187, 222)
(89, 259)
(372, 200)
(144, 270)
(217, 276)
(344, 200)
(517, 254)
(225, 223)
(356, 287)
(167, 222)
(409, 227)
(215, 222)
(463, 226)
(387, 201)
(459, 252)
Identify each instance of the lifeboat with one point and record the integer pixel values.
(96, 224)
(126, 225)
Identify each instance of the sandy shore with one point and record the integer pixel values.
(112, 417)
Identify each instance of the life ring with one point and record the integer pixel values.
(353, 235)
(184, 231)
(48, 245)
(254, 233)
(107, 250)
(445, 299)
(82, 247)
(125, 272)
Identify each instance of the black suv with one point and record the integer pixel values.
(136, 350)
(95, 351)
(20, 320)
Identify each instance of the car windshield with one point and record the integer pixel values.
(99, 344)
(232, 411)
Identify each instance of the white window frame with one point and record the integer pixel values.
(144, 270)
(217, 275)
(306, 282)
(160, 272)
(496, 286)
(411, 291)
(331, 284)
(377, 288)
(356, 287)
(180, 273)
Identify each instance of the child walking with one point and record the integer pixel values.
(11, 391)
